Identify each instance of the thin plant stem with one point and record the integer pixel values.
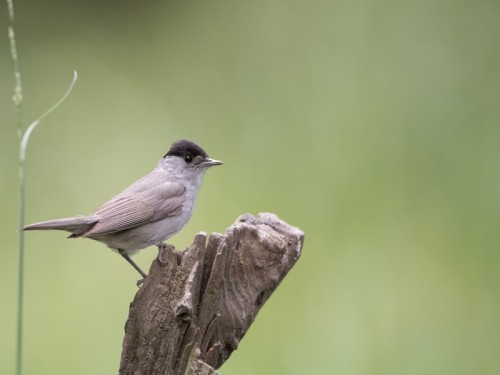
(22, 188)
(20, 282)
(23, 137)
(18, 99)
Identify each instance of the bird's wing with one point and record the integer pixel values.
(131, 209)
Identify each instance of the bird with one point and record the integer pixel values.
(149, 211)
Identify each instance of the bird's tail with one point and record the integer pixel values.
(76, 225)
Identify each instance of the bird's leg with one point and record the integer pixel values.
(127, 258)
(161, 247)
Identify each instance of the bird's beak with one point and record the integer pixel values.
(209, 162)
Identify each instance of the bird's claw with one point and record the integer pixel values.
(161, 247)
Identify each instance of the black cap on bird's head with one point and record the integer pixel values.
(190, 151)
(184, 147)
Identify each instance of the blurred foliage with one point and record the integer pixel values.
(371, 125)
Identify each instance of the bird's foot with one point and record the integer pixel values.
(137, 268)
(139, 283)
(161, 248)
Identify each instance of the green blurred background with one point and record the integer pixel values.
(374, 126)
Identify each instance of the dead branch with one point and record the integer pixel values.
(195, 306)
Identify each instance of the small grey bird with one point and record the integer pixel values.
(150, 210)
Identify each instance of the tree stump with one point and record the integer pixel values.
(195, 306)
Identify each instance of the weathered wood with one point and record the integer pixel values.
(195, 306)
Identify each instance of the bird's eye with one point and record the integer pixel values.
(188, 158)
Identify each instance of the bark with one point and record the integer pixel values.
(195, 306)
